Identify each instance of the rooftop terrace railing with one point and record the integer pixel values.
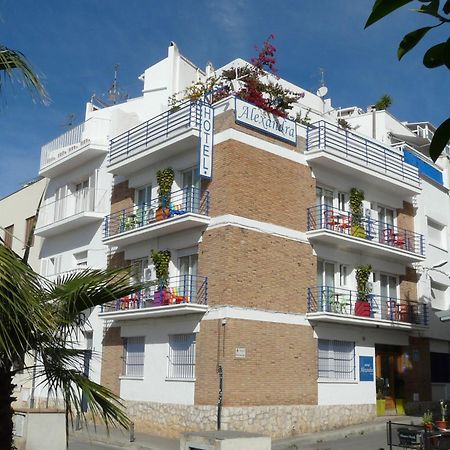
(182, 289)
(344, 302)
(184, 201)
(361, 151)
(154, 131)
(73, 139)
(324, 217)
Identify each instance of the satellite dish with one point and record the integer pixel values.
(322, 91)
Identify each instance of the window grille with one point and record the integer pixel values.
(336, 359)
(181, 359)
(133, 358)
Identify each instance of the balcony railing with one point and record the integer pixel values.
(54, 277)
(154, 131)
(361, 151)
(325, 217)
(183, 289)
(344, 302)
(82, 201)
(94, 129)
(184, 201)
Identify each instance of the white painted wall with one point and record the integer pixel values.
(356, 392)
(154, 386)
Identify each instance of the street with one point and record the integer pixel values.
(370, 441)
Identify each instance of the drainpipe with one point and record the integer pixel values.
(220, 399)
(374, 122)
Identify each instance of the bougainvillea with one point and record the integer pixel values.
(254, 84)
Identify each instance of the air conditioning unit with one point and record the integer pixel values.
(369, 287)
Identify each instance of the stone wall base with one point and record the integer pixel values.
(277, 421)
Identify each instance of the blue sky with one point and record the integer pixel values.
(74, 45)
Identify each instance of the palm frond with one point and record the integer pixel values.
(25, 319)
(74, 293)
(59, 374)
(15, 66)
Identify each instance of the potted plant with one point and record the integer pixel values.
(362, 305)
(442, 423)
(161, 260)
(427, 420)
(356, 207)
(164, 177)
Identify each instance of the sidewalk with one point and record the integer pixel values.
(144, 441)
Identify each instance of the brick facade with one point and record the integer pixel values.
(279, 367)
(405, 216)
(256, 270)
(112, 360)
(259, 185)
(122, 197)
(408, 285)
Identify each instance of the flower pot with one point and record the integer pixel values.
(158, 297)
(358, 231)
(428, 426)
(162, 213)
(381, 407)
(443, 424)
(362, 308)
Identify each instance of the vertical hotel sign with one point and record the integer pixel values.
(206, 139)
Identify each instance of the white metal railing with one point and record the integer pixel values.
(54, 276)
(93, 130)
(84, 200)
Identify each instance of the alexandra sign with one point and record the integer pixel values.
(254, 117)
(206, 140)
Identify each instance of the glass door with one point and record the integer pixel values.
(386, 224)
(82, 197)
(325, 284)
(60, 203)
(187, 283)
(191, 190)
(144, 207)
(324, 206)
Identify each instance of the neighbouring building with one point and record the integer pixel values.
(306, 259)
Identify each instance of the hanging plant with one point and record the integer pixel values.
(356, 208)
(161, 260)
(164, 178)
(362, 279)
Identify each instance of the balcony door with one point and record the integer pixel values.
(187, 281)
(191, 189)
(84, 195)
(60, 203)
(144, 207)
(388, 287)
(386, 221)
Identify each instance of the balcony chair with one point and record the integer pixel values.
(331, 220)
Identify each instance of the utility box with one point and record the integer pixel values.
(225, 440)
(37, 429)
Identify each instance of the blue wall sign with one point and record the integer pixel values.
(366, 368)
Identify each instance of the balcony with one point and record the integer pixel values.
(340, 229)
(333, 151)
(185, 294)
(188, 208)
(64, 275)
(159, 138)
(338, 305)
(75, 210)
(75, 147)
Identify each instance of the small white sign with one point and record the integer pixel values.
(206, 139)
(254, 117)
(240, 352)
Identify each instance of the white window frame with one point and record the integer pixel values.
(133, 361)
(181, 357)
(336, 360)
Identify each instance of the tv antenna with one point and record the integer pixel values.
(323, 90)
(114, 94)
(69, 121)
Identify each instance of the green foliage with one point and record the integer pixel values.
(436, 56)
(362, 277)
(164, 178)
(384, 102)
(356, 205)
(39, 320)
(427, 417)
(14, 66)
(161, 260)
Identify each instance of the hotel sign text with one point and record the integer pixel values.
(206, 140)
(254, 117)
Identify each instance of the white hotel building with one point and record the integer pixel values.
(261, 316)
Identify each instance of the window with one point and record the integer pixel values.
(29, 223)
(9, 234)
(133, 356)
(144, 195)
(181, 359)
(336, 359)
(81, 260)
(435, 233)
(440, 367)
(51, 266)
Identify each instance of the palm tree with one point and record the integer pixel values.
(38, 319)
(14, 66)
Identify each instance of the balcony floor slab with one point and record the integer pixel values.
(335, 239)
(156, 229)
(69, 223)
